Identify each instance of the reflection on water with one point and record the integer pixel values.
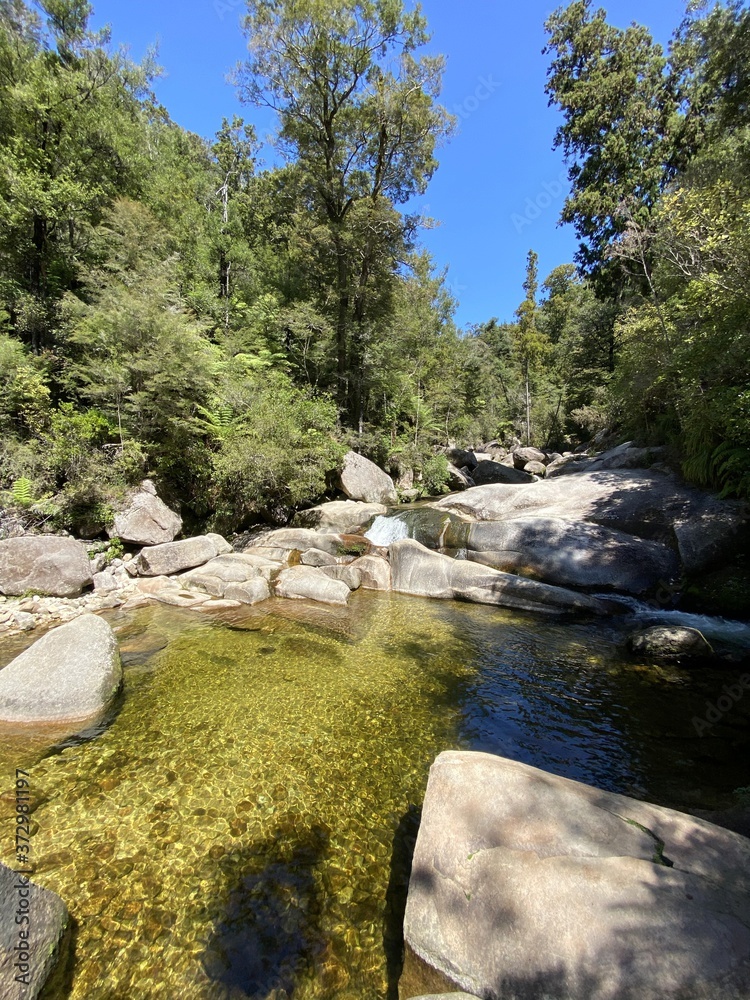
(231, 834)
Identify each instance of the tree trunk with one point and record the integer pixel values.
(528, 410)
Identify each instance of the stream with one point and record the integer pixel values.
(240, 826)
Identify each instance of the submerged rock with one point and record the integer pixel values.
(42, 934)
(525, 884)
(71, 673)
(671, 643)
(57, 566)
(361, 479)
(422, 572)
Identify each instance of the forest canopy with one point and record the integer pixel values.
(169, 309)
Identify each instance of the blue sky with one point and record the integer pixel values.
(499, 188)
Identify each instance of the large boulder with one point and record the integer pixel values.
(522, 457)
(375, 572)
(174, 557)
(361, 479)
(70, 674)
(344, 517)
(646, 504)
(419, 571)
(571, 553)
(33, 935)
(527, 885)
(487, 473)
(48, 564)
(146, 520)
(215, 576)
(285, 540)
(459, 479)
(312, 584)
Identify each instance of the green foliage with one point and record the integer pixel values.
(22, 492)
(434, 475)
(276, 455)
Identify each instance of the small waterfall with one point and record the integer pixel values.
(437, 529)
(717, 629)
(385, 530)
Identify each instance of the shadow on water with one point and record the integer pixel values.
(404, 841)
(269, 931)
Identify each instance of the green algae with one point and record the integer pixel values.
(231, 833)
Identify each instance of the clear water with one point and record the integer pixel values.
(240, 828)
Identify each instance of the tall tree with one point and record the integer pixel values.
(531, 342)
(358, 112)
(621, 111)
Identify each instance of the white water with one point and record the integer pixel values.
(386, 530)
(712, 628)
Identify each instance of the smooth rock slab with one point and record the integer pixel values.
(71, 673)
(46, 929)
(374, 571)
(339, 516)
(59, 567)
(424, 573)
(570, 553)
(312, 584)
(526, 885)
(251, 592)
(174, 557)
(361, 479)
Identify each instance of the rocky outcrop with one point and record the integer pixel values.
(47, 564)
(312, 584)
(424, 573)
(522, 457)
(671, 644)
(649, 505)
(349, 575)
(361, 479)
(459, 479)
(71, 673)
(174, 557)
(286, 540)
(146, 520)
(375, 572)
(30, 948)
(221, 574)
(487, 473)
(525, 884)
(571, 553)
(343, 517)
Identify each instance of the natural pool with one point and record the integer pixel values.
(241, 828)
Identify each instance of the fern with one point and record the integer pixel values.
(22, 493)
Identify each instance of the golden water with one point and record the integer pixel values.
(240, 828)
(231, 833)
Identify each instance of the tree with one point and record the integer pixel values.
(621, 109)
(68, 145)
(358, 113)
(531, 343)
